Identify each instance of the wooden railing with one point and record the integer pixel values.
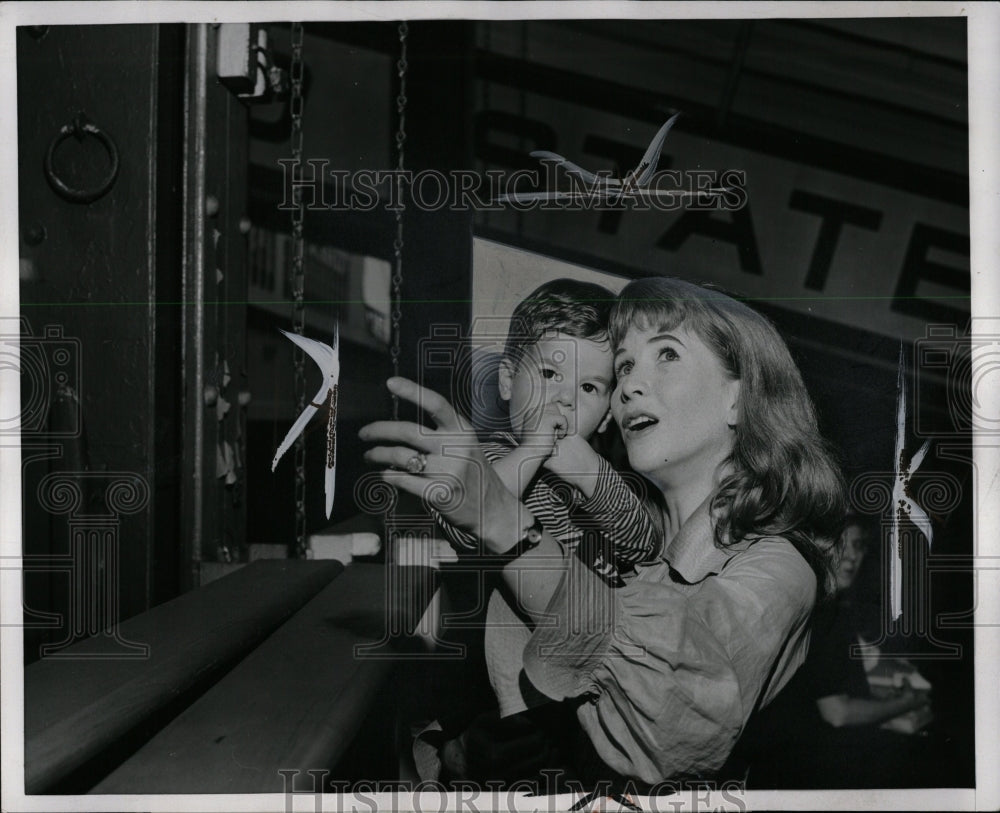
(253, 674)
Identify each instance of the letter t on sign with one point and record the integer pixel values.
(834, 214)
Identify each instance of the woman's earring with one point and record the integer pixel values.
(604, 422)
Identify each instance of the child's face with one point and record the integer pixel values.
(571, 375)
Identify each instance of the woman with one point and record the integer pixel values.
(665, 670)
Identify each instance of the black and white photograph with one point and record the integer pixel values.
(499, 406)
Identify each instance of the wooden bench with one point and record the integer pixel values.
(252, 674)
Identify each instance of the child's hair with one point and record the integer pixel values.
(578, 309)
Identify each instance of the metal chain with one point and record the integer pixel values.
(298, 284)
(397, 244)
(397, 271)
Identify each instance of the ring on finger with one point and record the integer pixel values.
(416, 464)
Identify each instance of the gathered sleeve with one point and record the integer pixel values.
(668, 671)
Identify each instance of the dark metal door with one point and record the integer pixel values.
(99, 166)
(215, 285)
(132, 160)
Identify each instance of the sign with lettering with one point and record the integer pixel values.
(831, 244)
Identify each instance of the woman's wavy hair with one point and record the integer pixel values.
(784, 479)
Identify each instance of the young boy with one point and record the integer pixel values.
(557, 377)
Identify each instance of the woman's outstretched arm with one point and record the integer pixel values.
(458, 481)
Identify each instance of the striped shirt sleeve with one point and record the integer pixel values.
(619, 515)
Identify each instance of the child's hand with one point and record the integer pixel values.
(551, 427)
(576, 462)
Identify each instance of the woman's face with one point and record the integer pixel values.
(674, 403)
(852, 554)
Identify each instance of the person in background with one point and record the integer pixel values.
(824, 730)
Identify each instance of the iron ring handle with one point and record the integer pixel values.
(81, 126)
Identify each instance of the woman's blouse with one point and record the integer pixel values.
(672, 664)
